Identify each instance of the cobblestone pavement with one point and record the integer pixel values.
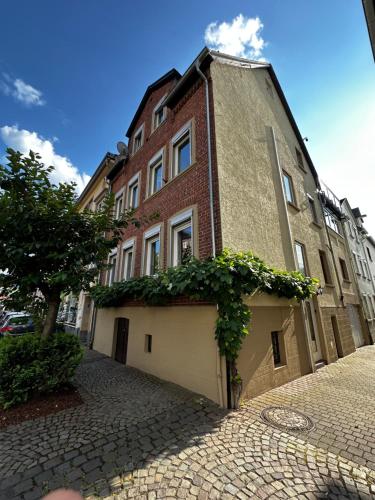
(139, 437)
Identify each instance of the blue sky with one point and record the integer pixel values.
(72, 75)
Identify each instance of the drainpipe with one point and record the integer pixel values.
(289, 231)
(209, 153)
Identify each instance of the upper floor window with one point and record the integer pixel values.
(159, 114)
(313, 209)
(301, 258)
(156, 173)
(128, 260)
(332, 221)
(111, 272)
(288, 188)
(133, 192)
(138, 138)
(152, 251)
(119, 204)
(356, 265)
(344, 269)
(369, 253)
(300, 159)
(182, 150)
(325, 268)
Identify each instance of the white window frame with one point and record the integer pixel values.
(140, 130)
(304, 257)
(155, 111)
(127, 246)
(111, 273)
(119, 196)
(156, 160)
(180, 221)
(149, 237)
(176, 140)
(287, 176)
(134, 180)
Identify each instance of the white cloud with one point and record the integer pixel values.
(21, 91)
(240, 37)
(24, 141)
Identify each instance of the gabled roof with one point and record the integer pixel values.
(173, 74)
(107, 157)
(206, 56)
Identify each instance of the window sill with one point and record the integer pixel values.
(178, 176)
(329, 285)
(279, 366)
(303, 169)
(293, 206)
(158, 127)
(135, 152)
(348, 282)
(317, 224)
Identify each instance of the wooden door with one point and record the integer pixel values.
(122, 333)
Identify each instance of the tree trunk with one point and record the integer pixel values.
(50, 322)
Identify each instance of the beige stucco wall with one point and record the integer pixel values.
(256, 364)
(184, 350)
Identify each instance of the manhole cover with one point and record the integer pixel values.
(286, 418)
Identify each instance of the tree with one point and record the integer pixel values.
(48, 246)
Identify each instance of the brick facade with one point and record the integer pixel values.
(188, 189)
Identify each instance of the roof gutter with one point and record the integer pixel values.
(209, 153)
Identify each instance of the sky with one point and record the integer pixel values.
(73, 73)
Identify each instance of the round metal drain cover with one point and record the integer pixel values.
(286, 418)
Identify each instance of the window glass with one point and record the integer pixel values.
(156, 176)
(325, 268)
(112, 270)
(300, 254)
(133, 195)
(288, 188)
(118, 207)
(154, 249)
(127, 263)
(184, 245)
(183, 154)
(313, 210)
(138, 141)
(158, 117)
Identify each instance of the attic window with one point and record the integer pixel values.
(300, 159)
(138, 139)
(159, 114)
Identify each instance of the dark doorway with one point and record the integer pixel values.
(122, 333)
(336, 333)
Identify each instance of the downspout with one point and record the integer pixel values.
(219, 375)
(289, 231)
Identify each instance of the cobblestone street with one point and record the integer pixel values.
(139, 437)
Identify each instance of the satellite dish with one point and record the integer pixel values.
(122, 148)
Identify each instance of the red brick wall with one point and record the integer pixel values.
(187, 189)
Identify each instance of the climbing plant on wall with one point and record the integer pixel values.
(224, 280)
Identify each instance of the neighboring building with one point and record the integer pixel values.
(218, 154)
(362, 256)
(76, 312)
(369, 9)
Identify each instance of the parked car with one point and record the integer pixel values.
(17, 324)
(8, 314)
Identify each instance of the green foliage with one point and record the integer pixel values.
(49, 246)
(31, 365)
(223, 280)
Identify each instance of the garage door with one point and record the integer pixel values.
(356, 325)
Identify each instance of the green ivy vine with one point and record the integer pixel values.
(223, 280)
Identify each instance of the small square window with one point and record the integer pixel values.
(288, 188)
(344, 269)
(300, 159)
(278, 349)
(148, 343)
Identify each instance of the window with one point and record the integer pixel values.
(182, 150)
(128, 260)
(288, 188)
(325, 268)
(148, 343)
(355, 260)
(278, 349)
(156, 174)
(182, 243)
(118, 206)
(301, 259)
(332, 221)
(138, 139)
(133, 192)
(111, 273)
(363, 268)
(153, 255)
(369, 253)
(159, 114)
(313, 209)
(344, 269)
(300, 159)
(350, 227)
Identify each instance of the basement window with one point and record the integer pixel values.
(278, 349)
(148, 343)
